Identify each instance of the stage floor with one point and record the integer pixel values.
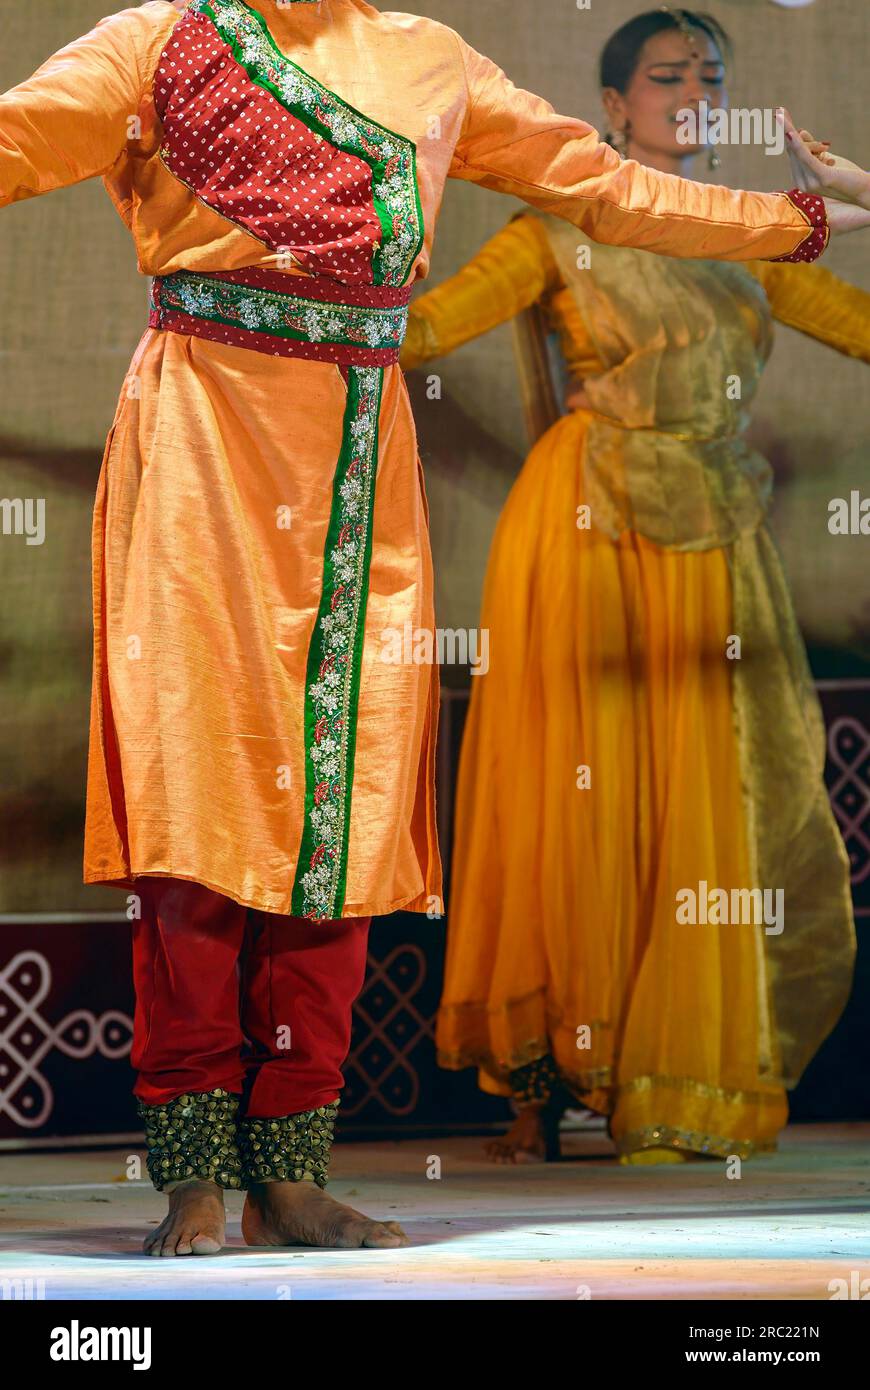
(582, 1228)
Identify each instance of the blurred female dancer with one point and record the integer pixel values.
(626, 756)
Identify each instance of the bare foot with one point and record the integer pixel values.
(525, 1141)
(194, 1224)
(300, 1213)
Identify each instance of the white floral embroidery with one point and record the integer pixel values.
(332, 694)
(265, 311)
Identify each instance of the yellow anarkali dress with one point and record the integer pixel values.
(622, 748)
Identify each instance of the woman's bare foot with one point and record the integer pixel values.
(525, 1141)
(300, 1213)
(195, 1224)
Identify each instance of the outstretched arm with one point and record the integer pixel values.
(820, 304)
(74, 117)
(509, 273)
(515, 142)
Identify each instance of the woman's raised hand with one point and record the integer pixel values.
(817, 170)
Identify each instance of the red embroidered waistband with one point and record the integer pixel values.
(285, 315)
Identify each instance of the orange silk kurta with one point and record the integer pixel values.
(204, 604)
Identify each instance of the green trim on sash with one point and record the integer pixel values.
(392, 158)
(294, 317)
(335, 657)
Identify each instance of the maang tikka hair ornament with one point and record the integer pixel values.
(681, 20)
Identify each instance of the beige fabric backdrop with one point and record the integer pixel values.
(72, 308)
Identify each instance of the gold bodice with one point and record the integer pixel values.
(669, 353)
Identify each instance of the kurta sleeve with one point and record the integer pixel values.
(514, 142)
(73, 118)
(820, 304)
(510, 273)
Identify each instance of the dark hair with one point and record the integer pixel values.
(621, 53)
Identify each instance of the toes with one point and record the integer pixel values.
(154, 1243)
(379, 1238)
(206, 1245)
(384, 1234)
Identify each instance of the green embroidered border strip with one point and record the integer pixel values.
(335, 657)
(392, 158)
(282, 316)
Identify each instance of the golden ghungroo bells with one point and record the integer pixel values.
(193, 1136)
(536, 1081)
(288, 1148)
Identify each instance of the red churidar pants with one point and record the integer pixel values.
(210, 974)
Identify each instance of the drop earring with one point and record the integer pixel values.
(713, 161)
(619, 141)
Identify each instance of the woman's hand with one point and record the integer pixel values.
(846, 217)
(816, 170)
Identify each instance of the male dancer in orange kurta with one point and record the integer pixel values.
(260, 778)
